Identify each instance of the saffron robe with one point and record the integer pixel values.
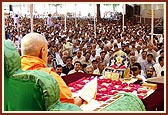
(35, 63)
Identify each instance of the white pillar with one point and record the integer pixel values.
(152, 24)
(31, 16)
(44, 10)
(65, 17)
(143, 10)
(75, 17)
(123, 17)
(94, 20)
(3, 22)
(20, 10)
(49, 9)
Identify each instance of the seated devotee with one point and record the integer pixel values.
(79, 57)
(108, 56)
(98, 58)
(143, 57)
(49, 60)
(100, 69)
(93, 55)
(74, 47)
(102, 57)
(69, 66)
(89, 69)
(77, 68)
(161, 54)
(34, 50)
(132, 60)
(148, 62)
(150, 50)
(159, 67)
(95, 64)
(136, 72)
(87, 60)
(83, 67)
(127, 50)
(150, 72)
(59, 70)
(57, 57)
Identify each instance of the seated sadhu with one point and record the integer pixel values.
(34, 51)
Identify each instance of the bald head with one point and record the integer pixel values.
(34, 44)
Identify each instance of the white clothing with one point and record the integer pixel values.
(96, 71)
(58, 59)
(49, 21)
(16, 20)
(92, 58)
(62, 74)
(78, 59)
(141, 77)
(119, 45)
(98, 51)
(140, 60)
(73, 71)
(158, 69)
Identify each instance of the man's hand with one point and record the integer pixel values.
(78, 101)
(139, 78)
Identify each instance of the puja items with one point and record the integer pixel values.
(107, 88)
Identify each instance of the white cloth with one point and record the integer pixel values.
(62, 74)
(96, 71)
(141, 77)
(16, 20)
(59, 59)
(49, 21)
(92, 58)
(158, 69)
(78, 59)
(140, 60)
(74, 71)
(98, 50)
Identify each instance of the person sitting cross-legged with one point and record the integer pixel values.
(34, 50)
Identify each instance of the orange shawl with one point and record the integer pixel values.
(35, 63)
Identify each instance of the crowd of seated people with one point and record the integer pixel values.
(78, 46)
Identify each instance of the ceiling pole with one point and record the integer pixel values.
(94, 21)
(152, 24)
(31, 16)
(75, 17)
(123, 17)
(65, 17)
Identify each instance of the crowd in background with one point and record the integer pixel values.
(80, 49)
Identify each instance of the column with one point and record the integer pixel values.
(152, 24)
(31, 16)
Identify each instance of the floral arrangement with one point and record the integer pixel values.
(107, 88)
